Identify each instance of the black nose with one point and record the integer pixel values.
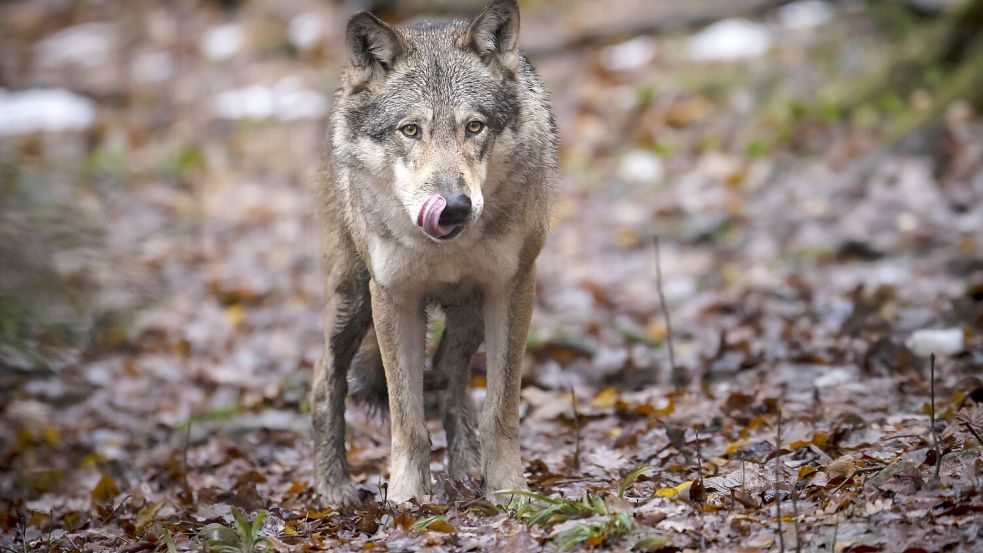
(457, 211)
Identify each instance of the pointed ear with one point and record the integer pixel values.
(494, 34)
(373, 47)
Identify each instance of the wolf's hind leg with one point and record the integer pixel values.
(463, 334)
(367, 377)
(348, 315)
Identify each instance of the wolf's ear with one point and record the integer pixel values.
(494, 34)
(373, 47)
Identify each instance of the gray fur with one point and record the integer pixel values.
(382, 270)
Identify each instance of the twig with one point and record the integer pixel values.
(836, 531)
(973, 432)
(71, 541)
(137, 547)
(187, 440)
(576, 425)
(856, 472)
(116, 509)
(778, 497)
(22, 529)
(699, 458)
(935, 435)
(677, 377)
(795, 521)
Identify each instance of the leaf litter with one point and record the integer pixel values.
(174, 416)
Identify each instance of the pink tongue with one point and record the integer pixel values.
(429, 217)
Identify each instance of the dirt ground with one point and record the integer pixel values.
(166, 250)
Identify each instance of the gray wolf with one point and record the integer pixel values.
(438, 173)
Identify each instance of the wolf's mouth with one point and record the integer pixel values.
(429, 219)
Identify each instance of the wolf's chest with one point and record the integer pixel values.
(428, 271)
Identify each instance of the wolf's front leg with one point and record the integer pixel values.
(401, 326)
(347, 317)
(507, 314)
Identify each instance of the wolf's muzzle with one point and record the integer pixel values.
(457, 212)
(442, 218)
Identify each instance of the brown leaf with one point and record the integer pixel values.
(441, 525)
(148, 513)
(842, 467)
(105, 490)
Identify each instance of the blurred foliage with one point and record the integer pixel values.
(45, 280)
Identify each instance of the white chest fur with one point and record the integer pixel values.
(431, 268)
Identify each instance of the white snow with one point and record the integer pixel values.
(640, 166)
(306, 31)
(88, 44)
(730, 39)
(945, 341)
(628, 55)
(222, 42)
(834, 377)
(152, 67)
(804, 14)
(287, 100)
(44, 109)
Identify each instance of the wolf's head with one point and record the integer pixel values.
(427, 108)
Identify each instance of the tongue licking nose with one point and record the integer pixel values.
(429, 217)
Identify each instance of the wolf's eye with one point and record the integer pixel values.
(410, 130)
(475, 127)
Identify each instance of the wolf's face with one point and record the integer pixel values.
(429, 107)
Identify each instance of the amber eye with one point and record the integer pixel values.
(410, 130)
(475, 127)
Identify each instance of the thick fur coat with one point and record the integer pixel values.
(453, 112)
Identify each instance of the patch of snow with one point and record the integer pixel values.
(306, 31)
(946, 341)
(287, 100)
(628, 55)
(44, 109)
(834, 377)
(730, 39)
(640, 166)
(222, 42)
(152, 67)
(805, 14)
(680, 288)
(88, 44)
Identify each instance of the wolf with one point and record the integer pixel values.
(438, 173)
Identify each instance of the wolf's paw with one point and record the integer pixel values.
(346, 494)
(498, 484)
(402, 494)
(409, 485)
(463, 463)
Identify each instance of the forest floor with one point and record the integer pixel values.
(167, 251)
